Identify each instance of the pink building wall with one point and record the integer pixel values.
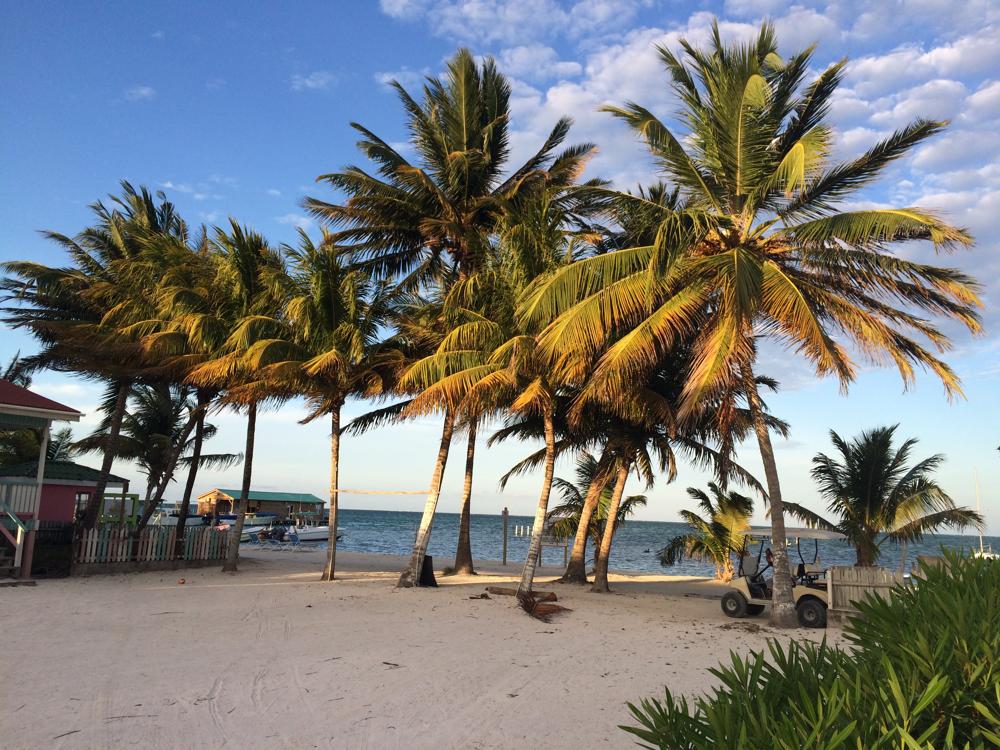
(58, 502)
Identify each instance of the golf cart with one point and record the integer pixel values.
(750, 590)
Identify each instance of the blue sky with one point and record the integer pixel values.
(233, 109)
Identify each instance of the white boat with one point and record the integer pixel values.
(168, 513)
(315, 533)
(983, 553)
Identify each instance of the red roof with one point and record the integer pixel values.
(15, 395)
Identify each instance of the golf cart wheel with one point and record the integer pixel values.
(811, 612)
(755, 609)
(734, 604)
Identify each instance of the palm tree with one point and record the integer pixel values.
(878, 496)
(17, 372)
(247, 293)
(564, 519)
(714, 535)
(156, 436)
(66, 308)
(756, 246)
(432, 222)
(328, 348)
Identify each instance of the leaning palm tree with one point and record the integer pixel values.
(156, 436)
(248, 270)
(714, 535)
(879, 496)
(565, 519)
(756, 246)
(66, 308)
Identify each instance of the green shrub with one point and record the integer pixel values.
(922, 673)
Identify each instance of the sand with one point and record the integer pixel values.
(273, 658)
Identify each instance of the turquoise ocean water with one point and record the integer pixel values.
(636, 542)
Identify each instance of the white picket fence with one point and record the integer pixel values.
(111, 543)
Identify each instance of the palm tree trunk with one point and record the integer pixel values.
(233, 550)
(604, 551)
(199, 438)
(782, 605)
(576, 568)
(96, 500)
(331, 545)
(411, 576)
(463, 553)
(534, 548)
(168, 474)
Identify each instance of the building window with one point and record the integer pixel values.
(82, 498)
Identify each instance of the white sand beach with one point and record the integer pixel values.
(273, 658)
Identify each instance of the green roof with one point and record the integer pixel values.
(275, 497)
(65, 471)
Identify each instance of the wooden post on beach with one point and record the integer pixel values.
(504, 514)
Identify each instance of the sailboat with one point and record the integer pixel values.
(983, 553)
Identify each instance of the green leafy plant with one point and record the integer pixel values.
(923, 673)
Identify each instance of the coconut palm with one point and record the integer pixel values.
(65, 308)
(756, 246)
(487, 363)
(328, 345)
(564, 519)
(432, 222)
(246, 303)
(156, 436)
(422, 219)
(878, 496)
(17, 372)
(715, 534)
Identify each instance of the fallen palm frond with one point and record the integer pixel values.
(540, 610)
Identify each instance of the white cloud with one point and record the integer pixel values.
(180, 187)
(214, 84)
(158, 35)
(969, 55)
(985, 102)
(515, 21)
(140, 93)
(318, 80)
(936, 100)
(402, 8)
(801, 27)
(406, 77)
(297, 220)
(273, 191)
(537, 62)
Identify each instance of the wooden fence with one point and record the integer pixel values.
(115, 543)
(847, 585)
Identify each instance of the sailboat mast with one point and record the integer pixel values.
(979, 508)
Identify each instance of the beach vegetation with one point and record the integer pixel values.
(922, 670)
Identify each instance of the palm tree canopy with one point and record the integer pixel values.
(753, 241)
(876, 493)
(151, 430)
(73, 310)
(434, 216)
(718, 529)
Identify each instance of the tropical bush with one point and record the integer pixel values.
(923, 672)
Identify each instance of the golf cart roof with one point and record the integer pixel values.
(792, 533)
